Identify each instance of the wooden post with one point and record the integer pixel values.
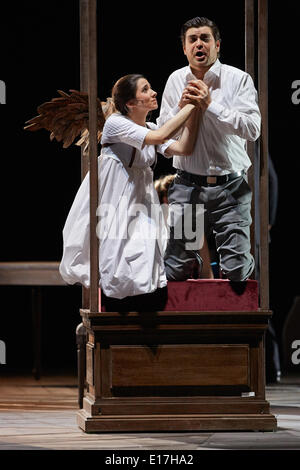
(264, 175)
(81, 361)
(93, 153)
(84, 43)
(84, 49)
(250, 68)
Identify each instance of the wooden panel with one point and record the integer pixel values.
(106, 371)
(184, 404)
(97, 370)
(223, 422)
(179, 365)
(90, 363)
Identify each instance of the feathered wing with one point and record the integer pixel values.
(108, 108)
(66, 117)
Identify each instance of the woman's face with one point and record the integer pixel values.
(145, 96)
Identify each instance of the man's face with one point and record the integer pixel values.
(200, 47)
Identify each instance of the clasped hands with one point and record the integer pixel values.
(197, 93)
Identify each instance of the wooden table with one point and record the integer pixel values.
(34, 274)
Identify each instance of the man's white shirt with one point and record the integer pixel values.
(232, 118)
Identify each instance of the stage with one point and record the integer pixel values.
(41, 415)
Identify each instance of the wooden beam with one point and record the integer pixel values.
(249, 38)
(264, 174)
(93, 153)
(30, 273)
(250, 68)
(84, 43)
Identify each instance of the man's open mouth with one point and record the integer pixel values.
(199, 54)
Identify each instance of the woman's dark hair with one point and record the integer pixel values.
(197, 22)
(125, 90)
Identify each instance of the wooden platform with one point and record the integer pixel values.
(34, 417)
(175, 371)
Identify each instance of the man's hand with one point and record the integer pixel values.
(197, 93)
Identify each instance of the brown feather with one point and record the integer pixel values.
(66, 117)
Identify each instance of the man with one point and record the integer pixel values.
(214, 175)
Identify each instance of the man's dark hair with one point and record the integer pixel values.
(197, 22)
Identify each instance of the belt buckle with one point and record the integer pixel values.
(211, 179)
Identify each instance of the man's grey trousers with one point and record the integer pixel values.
(227, 214)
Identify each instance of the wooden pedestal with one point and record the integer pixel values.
(175, 371)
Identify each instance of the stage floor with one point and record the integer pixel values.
(41, 415)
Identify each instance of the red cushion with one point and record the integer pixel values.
(211, 294)
(196, 295)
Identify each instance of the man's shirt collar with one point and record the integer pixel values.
(215, 69)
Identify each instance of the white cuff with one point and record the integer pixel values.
(215, 108)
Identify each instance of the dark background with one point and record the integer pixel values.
(39, 179)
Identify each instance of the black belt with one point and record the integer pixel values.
(209, 180)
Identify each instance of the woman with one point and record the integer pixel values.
(131, 229)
